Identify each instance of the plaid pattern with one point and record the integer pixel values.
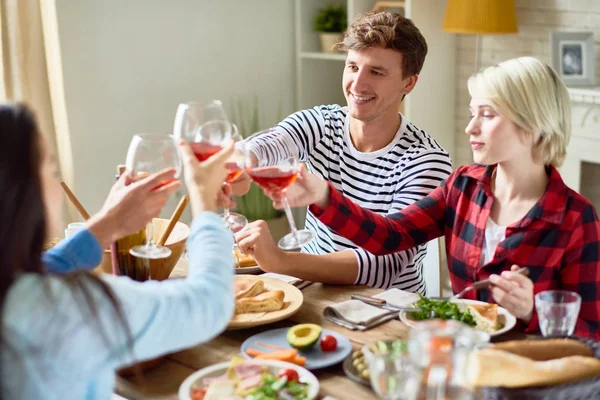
(558, 239)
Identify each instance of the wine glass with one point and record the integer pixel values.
(274, 170)
(235, 165)
(207, 129)
(147, 155)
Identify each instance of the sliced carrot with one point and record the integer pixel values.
(299, 360)
(254, 352)
(282, 355)
(270, 346)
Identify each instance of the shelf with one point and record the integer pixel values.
(324, 56)
(587, 96)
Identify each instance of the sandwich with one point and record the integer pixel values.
(265, 302)
(243, 259)
(248, 288)
(485, 315)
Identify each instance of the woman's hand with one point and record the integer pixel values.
(204, 180)
(514, 292)
(306, 190)
(131, 204)
(255, 239)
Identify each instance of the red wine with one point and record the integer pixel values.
(233, 171)
(204, 150)
(273, 178)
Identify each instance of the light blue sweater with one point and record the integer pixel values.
(53, 347)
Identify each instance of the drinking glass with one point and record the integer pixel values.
(393, 376)
(207, 129)
(440, 349)
(147, 155)
(235, 165)
(274, 171)
(557, 312)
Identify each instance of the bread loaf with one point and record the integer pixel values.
(491, 367)
(265, 302)
(543, 350)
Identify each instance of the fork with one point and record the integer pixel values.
(483, 284)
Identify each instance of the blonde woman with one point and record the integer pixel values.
(510, 209)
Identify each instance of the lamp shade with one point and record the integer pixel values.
(481, 16)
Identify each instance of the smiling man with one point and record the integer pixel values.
(368, 150)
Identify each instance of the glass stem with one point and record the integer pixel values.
(150, 235)
(290, 217)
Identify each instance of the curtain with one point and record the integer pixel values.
(32, 72)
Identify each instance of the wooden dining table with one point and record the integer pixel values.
(163, 381)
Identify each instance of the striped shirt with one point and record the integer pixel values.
(384, 181)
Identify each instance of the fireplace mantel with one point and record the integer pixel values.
(584, 145)
(585, 96)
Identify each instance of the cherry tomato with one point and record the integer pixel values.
(328, 343)
(291, 374)
(198, 394)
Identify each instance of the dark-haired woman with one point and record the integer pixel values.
(64, 335)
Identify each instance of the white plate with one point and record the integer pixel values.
(274, 366)
(509, 320)
(254, 269)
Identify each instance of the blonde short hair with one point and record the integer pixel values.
(532, 95)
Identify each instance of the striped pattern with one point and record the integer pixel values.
(385, 181)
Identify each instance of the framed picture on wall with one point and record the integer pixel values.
(573, 57)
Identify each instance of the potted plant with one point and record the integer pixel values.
(330, 22)
(255, 205)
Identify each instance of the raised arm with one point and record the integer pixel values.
(416, 224)
(161, 316)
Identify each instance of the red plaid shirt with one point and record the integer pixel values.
(558, 239)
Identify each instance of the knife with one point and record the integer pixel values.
(381, 303)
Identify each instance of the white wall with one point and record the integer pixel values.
(128, 63)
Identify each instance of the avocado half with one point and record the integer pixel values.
(303, 336)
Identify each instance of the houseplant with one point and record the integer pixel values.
(255, 205)
(330, 22)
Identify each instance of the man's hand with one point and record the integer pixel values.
(131, 205)
(256, 239)
(514, 292)
(306, 190)
(204, 180)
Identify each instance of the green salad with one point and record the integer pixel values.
(274, 388)
(441, 309)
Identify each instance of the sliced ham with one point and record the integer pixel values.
(247, 370)
(251, 382)
(210, 380)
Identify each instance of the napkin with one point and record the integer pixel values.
(363, 316)
(299, 283)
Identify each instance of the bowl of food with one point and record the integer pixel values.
(160, 269)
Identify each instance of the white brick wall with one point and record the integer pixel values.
(536, 18)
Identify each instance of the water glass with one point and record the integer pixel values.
(393, 376)
(557, 312)
(440, 349)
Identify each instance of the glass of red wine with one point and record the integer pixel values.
(206, 128)
(147, 155)
(235, 165)
(274, 171)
